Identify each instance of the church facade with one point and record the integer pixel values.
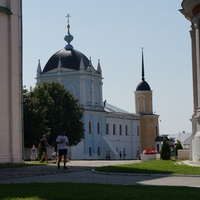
(108, 129)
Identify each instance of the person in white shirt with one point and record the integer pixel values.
(62, 142)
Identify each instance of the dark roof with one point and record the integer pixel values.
(70, 59)
(160, 138)
(144, 86)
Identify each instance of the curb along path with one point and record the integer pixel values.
(80, 172)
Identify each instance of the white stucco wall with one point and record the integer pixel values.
(11, 83)
(129, 142)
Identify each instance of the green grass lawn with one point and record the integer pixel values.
(47, 191)
(153, 167)
(69, 191)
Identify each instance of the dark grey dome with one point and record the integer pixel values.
(70, 59)
(143, 86)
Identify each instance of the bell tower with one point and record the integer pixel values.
(11, 140)
(149, 128)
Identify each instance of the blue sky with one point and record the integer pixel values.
(114, 31)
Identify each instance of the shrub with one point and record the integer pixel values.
(165, 152)
(178, 146)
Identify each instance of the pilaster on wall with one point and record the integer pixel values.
(196, 22)
(191, 10)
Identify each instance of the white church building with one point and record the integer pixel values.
(108, 129)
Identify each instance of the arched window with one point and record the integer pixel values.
(138, 105)
(88, 94)
(98, 127)
(156, 130)
(144, 105)
(150, 105)
(90, 127)
(97, 95)
(71, 89)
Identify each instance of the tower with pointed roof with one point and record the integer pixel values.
(149, 128)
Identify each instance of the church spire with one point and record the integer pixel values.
(68, 38)
(142, 66)
(39, 69)
(99, 67)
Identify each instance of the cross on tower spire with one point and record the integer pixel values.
(142, 66)
(68, 26)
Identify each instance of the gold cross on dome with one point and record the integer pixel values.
(68, 26)
(68, 16)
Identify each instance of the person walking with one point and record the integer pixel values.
(124, 154)
(62, 142)
(120, 155)
(43, 144)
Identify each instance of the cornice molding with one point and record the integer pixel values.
(5, 10)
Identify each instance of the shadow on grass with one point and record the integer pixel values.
(135, 170)
(94, 191)
(25, 164)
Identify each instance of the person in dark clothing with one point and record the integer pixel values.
(43, 145)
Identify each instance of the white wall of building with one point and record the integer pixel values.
(11, 83)
(130, 140)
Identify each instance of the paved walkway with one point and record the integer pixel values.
(81, 172)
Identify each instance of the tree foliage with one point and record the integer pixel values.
(178, 146)
(50, 109)
(165, 152)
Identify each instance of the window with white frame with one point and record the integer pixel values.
(98, 127)
(120, 129)
(107, 129)
(114, 129)
(90, 127)
(126, 129)
(138, 131)
(99, 152)
(156, 130)
(90, 151)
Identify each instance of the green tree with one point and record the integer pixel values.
(178, 146)
(35, 123)
(57, 110)
(165, 152)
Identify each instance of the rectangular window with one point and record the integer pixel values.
(90, 151)
(114, 129)
(90, 127)
(98, 128)
(156, 130)
(99, 151)
(126, 130)
(120, 129)
(138, 131)
(107, 129)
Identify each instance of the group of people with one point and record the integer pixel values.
(62, 141)
(124, 154)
